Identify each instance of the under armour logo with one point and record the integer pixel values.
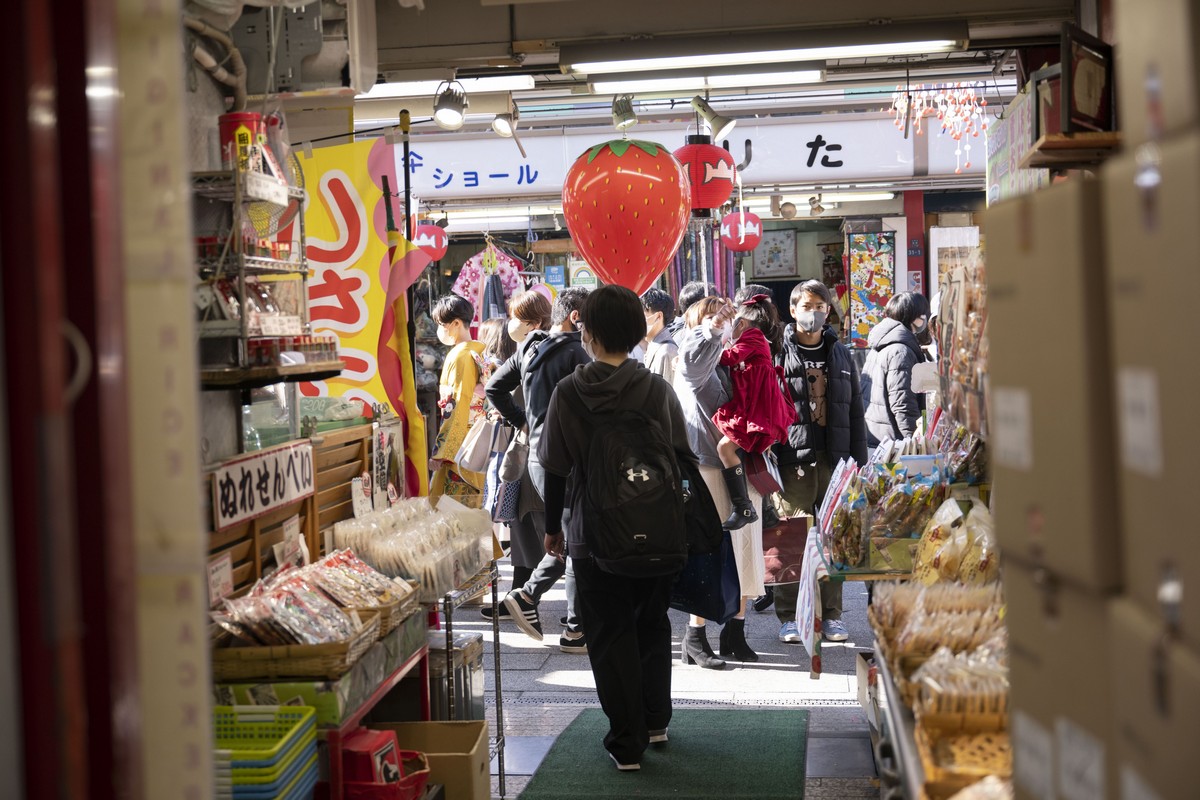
(641, 473)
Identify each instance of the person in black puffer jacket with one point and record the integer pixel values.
(893, 408)
(823, 381)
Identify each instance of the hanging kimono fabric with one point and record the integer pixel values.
(472, 277)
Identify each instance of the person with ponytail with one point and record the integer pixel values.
(759, 414)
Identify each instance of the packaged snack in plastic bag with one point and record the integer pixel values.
(981, 560)
(846, 536)
(938, 535)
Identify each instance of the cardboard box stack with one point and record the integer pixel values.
(1151, 203)
(1093, 367)
(1056, 521)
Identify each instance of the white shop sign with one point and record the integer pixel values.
(817, 150)
(253, 485)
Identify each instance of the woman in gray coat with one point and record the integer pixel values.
(892, 407)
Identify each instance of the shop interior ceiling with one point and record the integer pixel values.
(447, 39)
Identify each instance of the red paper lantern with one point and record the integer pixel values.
(710, 170)
(741, 231)
(627, 204)
(432, 239)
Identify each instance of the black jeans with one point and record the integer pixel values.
(629, 646)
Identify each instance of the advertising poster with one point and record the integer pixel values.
(872, 258)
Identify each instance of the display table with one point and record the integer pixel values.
(815, 568)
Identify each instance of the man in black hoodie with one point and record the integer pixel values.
(829, 426)
(536, 368)
(628, 629)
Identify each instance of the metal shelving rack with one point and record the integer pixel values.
(238, 188)
(450, 602)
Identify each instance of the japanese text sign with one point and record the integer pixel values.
(252, 485)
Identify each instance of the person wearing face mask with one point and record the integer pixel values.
(528, 325)
(829, 426)
(460, 400)
(661, 349)
(541, 361)
(893, 407)
(703, 386)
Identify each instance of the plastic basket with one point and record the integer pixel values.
(277, 776)
(260, 737)
(299, 786)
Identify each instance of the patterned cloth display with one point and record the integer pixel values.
(872, 281)
(471, 279)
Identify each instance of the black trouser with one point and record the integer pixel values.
(629, 646)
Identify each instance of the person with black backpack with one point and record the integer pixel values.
(617, 432)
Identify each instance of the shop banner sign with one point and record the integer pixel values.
(826, 149)
(253, 485)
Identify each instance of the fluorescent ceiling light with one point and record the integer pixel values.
(611, 85)
(769, 56)
(499, 83)
(830, 197)
(500, 211)
(493, 223)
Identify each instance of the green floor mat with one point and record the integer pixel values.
(732, 754)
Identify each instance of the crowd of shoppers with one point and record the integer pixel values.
(717, 381)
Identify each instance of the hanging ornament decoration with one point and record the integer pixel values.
(710, 170)
(626, 203)
(432, 239)
(741, 231)
(961, 112)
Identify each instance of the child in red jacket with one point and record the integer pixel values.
(759, 413)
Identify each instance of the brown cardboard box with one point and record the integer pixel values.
(1051, 384)
(457, 753)
(1154, 287)
(1156, 689)
(1061, 705)
(1157, 39)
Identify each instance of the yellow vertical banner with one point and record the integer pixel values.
(359, 278)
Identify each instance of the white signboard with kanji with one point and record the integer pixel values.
(255, 484)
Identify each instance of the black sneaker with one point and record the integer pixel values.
(501, 612)
(573, 642)
(562, 621)
(523, 611)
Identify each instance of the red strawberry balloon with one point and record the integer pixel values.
(627, 205)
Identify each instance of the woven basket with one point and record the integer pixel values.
(328, 661)
(979, 755)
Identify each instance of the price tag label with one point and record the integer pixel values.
(265, 188)
(1080, 762)
(280, 325)
(1012, 419)
(362, 502)
(289, 551)
(1140, 419)
(1033, 756)
(220, 578)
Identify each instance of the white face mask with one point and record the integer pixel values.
(518, 330)
(586, 341)
(446, 337)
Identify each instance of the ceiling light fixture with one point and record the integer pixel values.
(450, 105)
(501, 83)
(815, 209)
(720, 126)
(810, 45)
(604, 84)
(622, 112)
(506, 125)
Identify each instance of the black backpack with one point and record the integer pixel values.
(632, 499)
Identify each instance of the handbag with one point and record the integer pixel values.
(783, 550)
(762, 470)
(699, 511)
(477, 446)
(709, 586)
(510, 470)
(512, 467)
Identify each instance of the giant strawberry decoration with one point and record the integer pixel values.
(627, 204)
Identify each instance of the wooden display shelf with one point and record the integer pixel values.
(1061, 151)
(254, 377)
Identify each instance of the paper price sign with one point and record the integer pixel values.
(220, 578)
(253, 485)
